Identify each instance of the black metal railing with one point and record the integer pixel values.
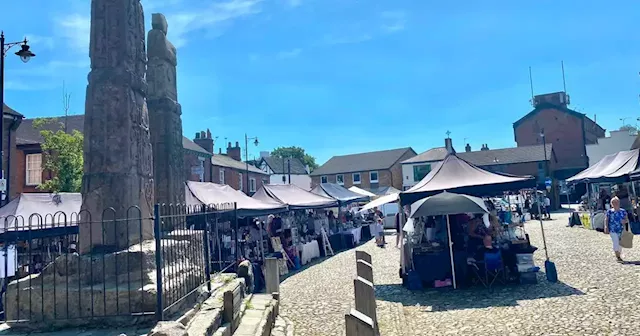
(77, 267)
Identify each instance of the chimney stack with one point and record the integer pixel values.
(204, 140)
(234, 152)
(467, 148)
(485, 147)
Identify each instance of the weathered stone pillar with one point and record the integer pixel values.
(118, 160)
(164, 115)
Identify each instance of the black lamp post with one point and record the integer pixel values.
(25, 55)
(246, 156)
(544, 149)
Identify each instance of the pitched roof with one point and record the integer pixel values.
(280, 165)
(433, 154)
(507, 155)
(7, 110)
(192, 146)
(27, 134)
(362, 162)
(222, 160)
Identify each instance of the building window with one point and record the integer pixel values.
(240, 186)
(356, 178)
(340, 179)
(324, 179)
(34, 169)
(373, 177)
(420, 171)
(252, 185)
(221, 176)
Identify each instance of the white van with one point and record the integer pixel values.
(389, 211)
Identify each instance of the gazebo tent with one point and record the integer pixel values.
(613, 168)
(38, 215)
(341, 194)
(362, 191)
(459, 176)
(198, 193)
(296, 198)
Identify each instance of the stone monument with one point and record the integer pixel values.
(118, 160)
(164, 115)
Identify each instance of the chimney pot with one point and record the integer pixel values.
(197, 135)
(467, 148)
(229, 145)
(237, 144)
(208, 134)
(203, 135)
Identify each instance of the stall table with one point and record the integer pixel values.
(309, 251)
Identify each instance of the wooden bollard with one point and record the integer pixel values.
(365, 298)
(272, 275)
(358, 324)
(362, 255)
(364, 270)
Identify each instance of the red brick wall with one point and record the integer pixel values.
(232, 178)
(561, 129)
(384, 179)
(396, 170)
(191, 159)
(19, 178)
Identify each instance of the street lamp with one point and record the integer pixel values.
(544, 149)
(246, 156)
(623, 120)
(25, 55)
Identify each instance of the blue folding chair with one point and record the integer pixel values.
(490, 269)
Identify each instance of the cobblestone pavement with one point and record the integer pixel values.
(594, 295)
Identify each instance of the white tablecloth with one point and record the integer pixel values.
(309, 251)
(357, 234)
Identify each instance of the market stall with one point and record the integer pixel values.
(458, 176)
(362, 192)
(343, 195)
(301, 227)
(30, 225)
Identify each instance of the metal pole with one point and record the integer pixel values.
(158, 238)
(453, 265)
(544, 240)
(246, 161)
(207, 257)
(237, 247)
(289, 167)
(2, 54)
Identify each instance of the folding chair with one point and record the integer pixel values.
(490, 269)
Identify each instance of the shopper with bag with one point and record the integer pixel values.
(615, 220)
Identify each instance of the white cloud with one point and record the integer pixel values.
(393, 21)
(294, 3)
(289, 53)
(76, 29)
(215, 16)
(38, 42)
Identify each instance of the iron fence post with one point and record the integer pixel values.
(158, 238)
(207, 261)
(235, 214)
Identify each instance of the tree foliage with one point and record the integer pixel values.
(62, 156)
(629, 128)
(295, 152)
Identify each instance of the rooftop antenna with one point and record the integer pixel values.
(531, 85)
(564, 82)
(66, 98)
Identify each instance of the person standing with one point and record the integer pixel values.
(614, 223)
(547, 206)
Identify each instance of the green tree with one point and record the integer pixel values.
(296, 152)
(62, 156)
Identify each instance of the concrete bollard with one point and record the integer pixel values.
(365, 298)
(364, 270)
(358, 324)
(362, 255)
(272, 275)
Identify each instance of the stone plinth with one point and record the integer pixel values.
(118, 162)
(77, 290)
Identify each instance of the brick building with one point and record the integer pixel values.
(567, 130)
(370, 171)
(228, 168)
(11, 121)
(27, 161)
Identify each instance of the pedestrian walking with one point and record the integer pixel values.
(615, 220)
(379, 233)
(547, 206)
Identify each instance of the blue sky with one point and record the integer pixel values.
(346, 76)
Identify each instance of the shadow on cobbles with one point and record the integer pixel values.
(446, 299)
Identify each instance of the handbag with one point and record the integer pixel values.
(626, 239)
